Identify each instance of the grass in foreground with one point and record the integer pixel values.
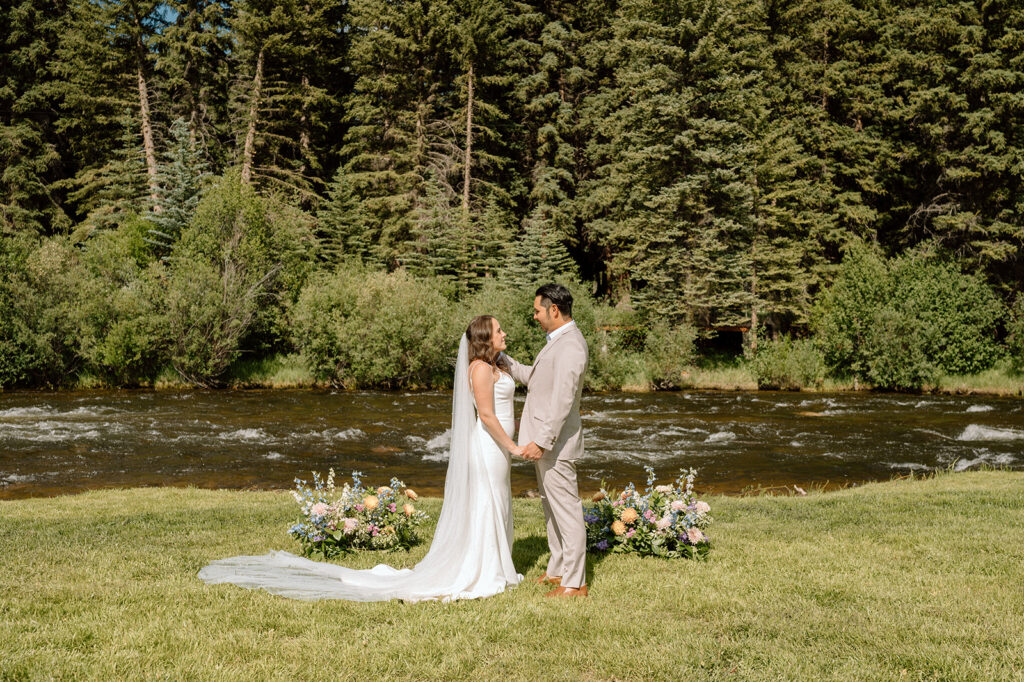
(912, 579)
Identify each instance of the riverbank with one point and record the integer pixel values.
(915, 579)
(735, 374)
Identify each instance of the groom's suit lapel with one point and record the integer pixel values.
(546, 348)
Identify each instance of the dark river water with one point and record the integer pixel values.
(67, 442)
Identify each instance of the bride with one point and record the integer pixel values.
(470, 555)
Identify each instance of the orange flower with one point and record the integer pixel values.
(618, 527)
(629, 515)
(411, 494)
(409, 509)
(370, 502)
(383, 490)
(623, 495)
(598, 496)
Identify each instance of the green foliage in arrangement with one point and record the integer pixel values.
(788, 364)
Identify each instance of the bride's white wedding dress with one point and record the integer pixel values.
(470, 555)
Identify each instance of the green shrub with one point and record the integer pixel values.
(843, 316)
(895, 351)
(951, 317)
(121, 326)
(788, 364)
(363, 328)
(1015, 334)
(616, 356)
(223, 275)
(668, 351)
(38, 299)
(958, 314)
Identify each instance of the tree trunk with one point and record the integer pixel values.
(469, 145)
(250, 135)
(147, 141)
(304, 125)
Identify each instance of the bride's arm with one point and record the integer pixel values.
(482, 381)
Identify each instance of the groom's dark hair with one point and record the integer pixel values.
(556, 294)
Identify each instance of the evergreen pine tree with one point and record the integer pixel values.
(956, 116)
(104, 69)
(286, 95)
(118, 188)
(29, 146)
(180, 180)
(672, 197)
(399, 114)
(341, 230)
(193, 63)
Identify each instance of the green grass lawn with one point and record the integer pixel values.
(916, 579)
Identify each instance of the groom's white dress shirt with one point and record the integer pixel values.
(561, 330)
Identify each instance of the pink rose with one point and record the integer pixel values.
(678, 505)
(351, 525)
(318, 509)
(359, 507)
(392, 507)
(703, 507)
(694, 535)
(664, 522)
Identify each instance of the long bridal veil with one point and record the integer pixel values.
(454, 565)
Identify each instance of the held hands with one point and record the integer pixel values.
(531, 452)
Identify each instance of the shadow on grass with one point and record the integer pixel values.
(527, 552)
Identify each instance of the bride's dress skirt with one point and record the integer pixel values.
(470, 555)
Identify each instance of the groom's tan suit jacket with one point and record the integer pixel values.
(551, 416)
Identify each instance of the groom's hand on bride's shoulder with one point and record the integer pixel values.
(532, 451)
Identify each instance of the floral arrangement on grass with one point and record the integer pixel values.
(665, 520)
(336, 521)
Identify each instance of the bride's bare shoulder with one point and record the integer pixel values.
(479, 368)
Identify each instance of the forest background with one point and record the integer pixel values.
(195, 191)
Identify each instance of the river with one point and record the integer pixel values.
(53, 443)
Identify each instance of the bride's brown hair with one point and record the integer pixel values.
(478, 335)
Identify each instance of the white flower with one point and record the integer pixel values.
(663, 489)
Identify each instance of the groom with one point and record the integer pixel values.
(552, 436)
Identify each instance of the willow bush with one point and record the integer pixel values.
(897, 324)
(38, 299)
(368, 328)
(122, 329)
(788, 364)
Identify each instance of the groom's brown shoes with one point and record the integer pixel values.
(568, 592)
(546, 579)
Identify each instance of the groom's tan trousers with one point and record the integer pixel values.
(567, 534)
